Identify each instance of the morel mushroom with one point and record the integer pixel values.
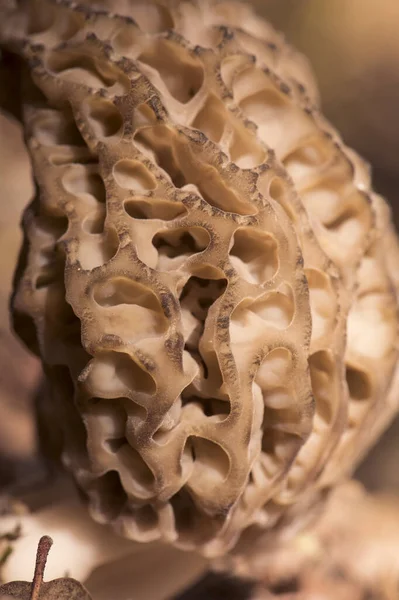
(208, 277)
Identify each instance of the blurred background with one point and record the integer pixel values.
(353, 47)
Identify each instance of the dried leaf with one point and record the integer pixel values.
(58, 589)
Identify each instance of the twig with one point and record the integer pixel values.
(43, 549)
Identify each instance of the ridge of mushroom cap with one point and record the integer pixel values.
(208, 276)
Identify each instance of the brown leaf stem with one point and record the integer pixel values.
(43, 549)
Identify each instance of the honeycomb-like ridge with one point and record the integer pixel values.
(208, 277)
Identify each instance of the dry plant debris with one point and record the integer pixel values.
(207, 277)
(58, 589)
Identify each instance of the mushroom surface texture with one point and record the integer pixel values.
(207, 275)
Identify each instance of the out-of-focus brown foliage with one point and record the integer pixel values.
(19, 371)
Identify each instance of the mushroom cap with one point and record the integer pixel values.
(208, 277)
